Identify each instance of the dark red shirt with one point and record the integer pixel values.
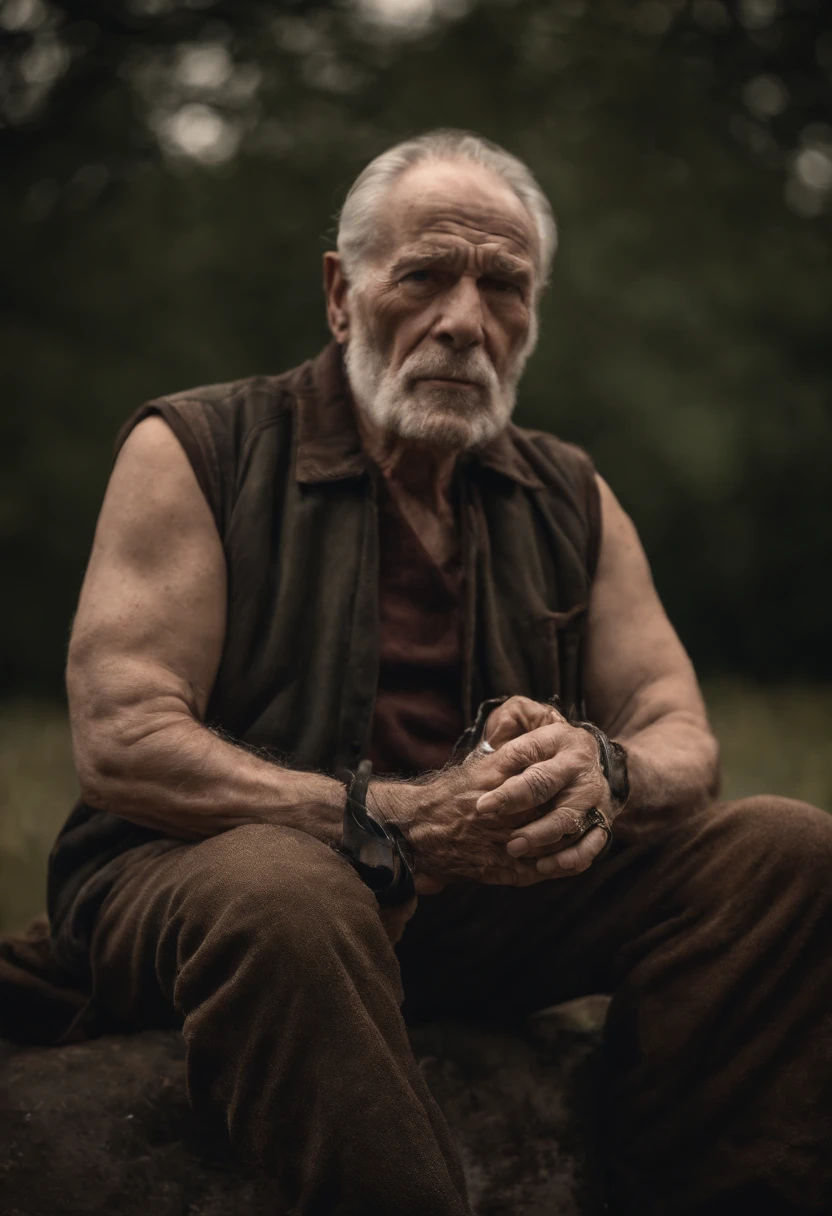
(418, 709)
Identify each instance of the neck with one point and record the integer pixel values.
(418, 470)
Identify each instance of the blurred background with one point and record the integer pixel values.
(170, 173)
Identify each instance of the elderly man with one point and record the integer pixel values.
(293, 575)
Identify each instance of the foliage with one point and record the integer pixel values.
(170, 175)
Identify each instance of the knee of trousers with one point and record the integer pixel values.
(775, 842)
(273, 899)
(797, 831)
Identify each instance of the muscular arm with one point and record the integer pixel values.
(143, 656)
(641, 689)
(641, 686)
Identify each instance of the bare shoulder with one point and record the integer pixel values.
(154, 521)
(620, 542)
(153, 599)
(153, 458)
(153, 493)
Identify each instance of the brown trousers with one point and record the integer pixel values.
(713, 934)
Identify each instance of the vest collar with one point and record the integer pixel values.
(328, 443)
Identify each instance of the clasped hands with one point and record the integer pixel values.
(512, 816)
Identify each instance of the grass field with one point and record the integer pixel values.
(774, 740)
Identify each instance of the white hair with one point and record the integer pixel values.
(358, 224)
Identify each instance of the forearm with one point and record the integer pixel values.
(164, 770)
(673, 764)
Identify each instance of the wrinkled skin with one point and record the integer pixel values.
(511, 817)
(556, 789)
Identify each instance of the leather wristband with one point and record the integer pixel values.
(378, 852)
(613, 758)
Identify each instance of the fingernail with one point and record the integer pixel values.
(518, 847)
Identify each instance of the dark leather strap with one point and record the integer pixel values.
(376, 851)
(613, 758)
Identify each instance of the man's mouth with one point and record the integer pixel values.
(450, 380)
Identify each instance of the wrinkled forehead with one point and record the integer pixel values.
(462, 202)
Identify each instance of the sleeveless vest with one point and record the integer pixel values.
(280, 462)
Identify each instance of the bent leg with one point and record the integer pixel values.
(719, 1036)
(715, 939)
(269, 951)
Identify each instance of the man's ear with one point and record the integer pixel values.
(336, 290)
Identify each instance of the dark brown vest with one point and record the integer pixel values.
(280, 462)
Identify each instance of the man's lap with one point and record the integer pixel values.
(711, 935)
(256, 886)
(507, 951)
(477, 950)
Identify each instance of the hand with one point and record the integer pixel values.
(565, 784)
(448, 837)
(515, 717)
(455, 831)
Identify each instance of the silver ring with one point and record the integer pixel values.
(594, 819)
(591, 818)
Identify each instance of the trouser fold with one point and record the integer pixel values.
(712, 934)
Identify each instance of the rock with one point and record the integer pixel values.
(105, 1126)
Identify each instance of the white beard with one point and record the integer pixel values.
(403, 404)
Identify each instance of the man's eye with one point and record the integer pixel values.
(417, 276)
(501, 285)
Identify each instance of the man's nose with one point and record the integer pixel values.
(460, 322)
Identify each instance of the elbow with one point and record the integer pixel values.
(132, 722)
(90, 728)
(126, 763)
(100, 780)
(704, 767)
(122, 734)
(713, 768)
(104, 762)
(93, 791)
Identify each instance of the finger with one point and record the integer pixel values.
(532, 787)
(550, 850)
(543, 744)
(545, 833)
(517, 874)
(516, 717)
(564, 816)
(575, 860)
(534, 747)
(513, 757)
